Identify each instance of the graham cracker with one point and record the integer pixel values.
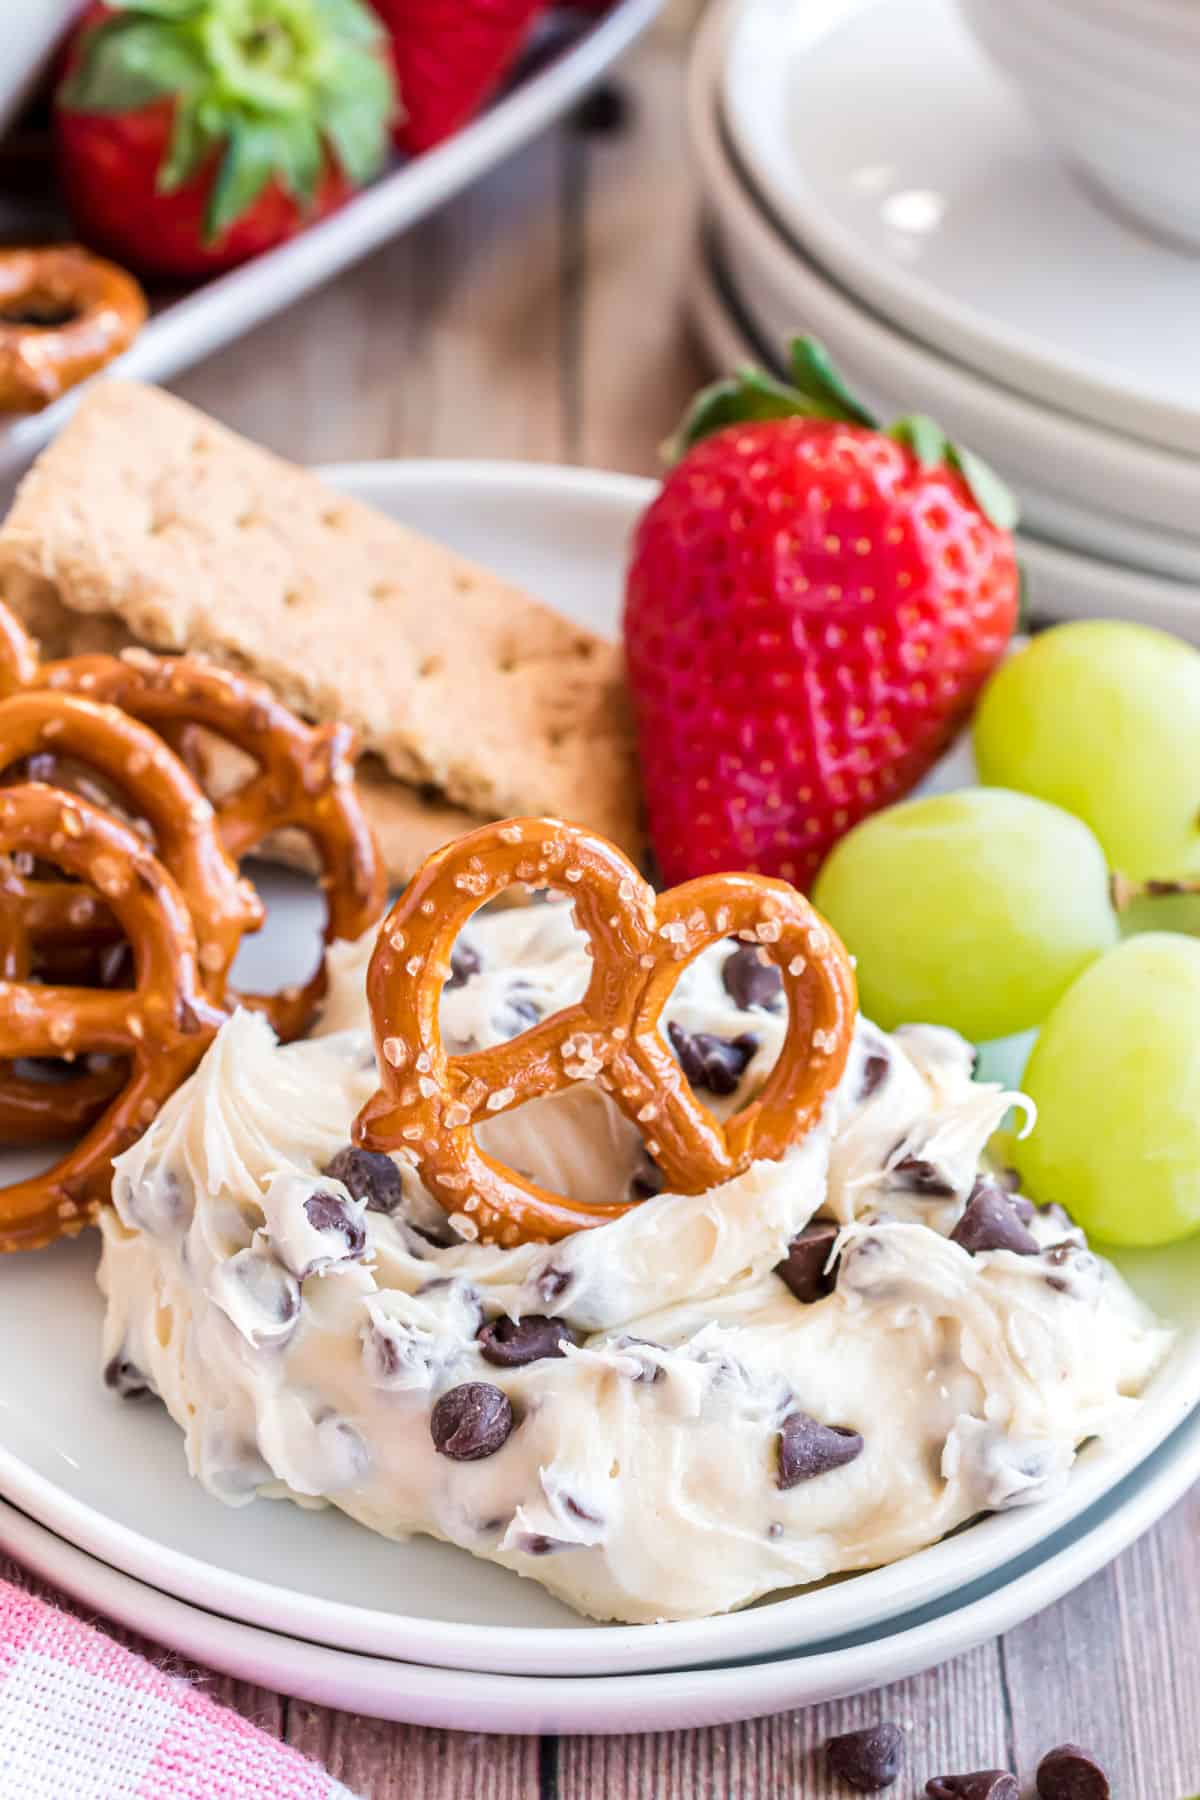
(147, 521)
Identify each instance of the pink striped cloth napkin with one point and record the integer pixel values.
(82, 1718)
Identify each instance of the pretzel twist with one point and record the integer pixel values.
(81, 311)
(429, 1102)
(304, 780)
(162, 1026)
(138, 764)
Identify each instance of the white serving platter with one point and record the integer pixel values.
(1080, 485)
(472, 1700)
(211, 315)
(110, 1477)
(892, 153)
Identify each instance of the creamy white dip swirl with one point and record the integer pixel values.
(302, 1340)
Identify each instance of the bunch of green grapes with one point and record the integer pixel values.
(992, 911)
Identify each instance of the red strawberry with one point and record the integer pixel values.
(450, 55)
(195, 133)
(812, 608)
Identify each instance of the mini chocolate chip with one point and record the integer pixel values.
(368, 1175)
(521, 1005)
(553, 1283)
(870, 1759)
(874, 1069)
(1069, 1773)
(646, 1181)
(923, 1177)
(125, 1378)
(511, 1343)
(471, 1421)
(990, 1222)
(750, 980)
(984, 1784)
(807, 1448)
(709, 1062)
(1056, 1215)
(647, 1369)
(464, 962)
(803, 1268)
(535, 1544)
(329, 1212)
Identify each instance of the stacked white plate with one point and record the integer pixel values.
(95, 1493)
(868, 178)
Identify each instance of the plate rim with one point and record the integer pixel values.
(466, 1699)
(1081, 385)
(526, 1648)
(1113, 463)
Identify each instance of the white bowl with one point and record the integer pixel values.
(28, 33)
(1118, 103)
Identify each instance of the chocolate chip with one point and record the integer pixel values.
(646, 1181)
(923, 1177)
(535, 1544)
(984, 1784)
(368, 1175)
(271, 1296)
(1056, 1215)
(471, 1421)
(511, 1343)
(990, 1222)
(521, 1005)
(125, 1378)
(870, 1759)
(750, 980)
(807, 1448)
(553, 1283)
(647, 1370)
(1024, 1209)
(1069, 1773)
(329, 1212)
(465, 961)
(716, 1064)
(803, 1268)
(874, 1070)
(578, 1511)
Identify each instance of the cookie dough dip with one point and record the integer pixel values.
(818, 1365)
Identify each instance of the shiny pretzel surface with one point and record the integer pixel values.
(303, 779)
(160, 1028)
(430, 1101)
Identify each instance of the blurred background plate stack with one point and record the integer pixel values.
(871, 176)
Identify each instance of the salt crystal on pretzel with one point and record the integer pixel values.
(640, 944)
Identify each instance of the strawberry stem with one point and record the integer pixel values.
(818, 391)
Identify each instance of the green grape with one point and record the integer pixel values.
(975, 909)
(1115, 1075)
(1103, 719)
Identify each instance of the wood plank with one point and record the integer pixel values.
(401, 1762)
(954, 1719)
(446, 342)
(628, 269)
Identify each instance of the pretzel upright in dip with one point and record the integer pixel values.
(430, 1102)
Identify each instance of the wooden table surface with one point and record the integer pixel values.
(542, 316)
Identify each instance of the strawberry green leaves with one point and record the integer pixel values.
(817, 391)
(270, 88)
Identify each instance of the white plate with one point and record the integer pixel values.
(1059, 583)
(895, 155)
(110, 1476)
(1079, 485)
(467, 1700)
(221, 309)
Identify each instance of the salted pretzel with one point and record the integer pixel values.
(162, 1026)
(304, 780)
(136, 762)
(64, 313)
(429, 1102)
